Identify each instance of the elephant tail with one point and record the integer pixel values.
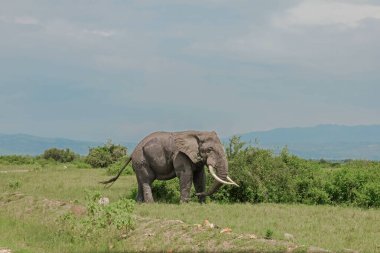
(112, 180)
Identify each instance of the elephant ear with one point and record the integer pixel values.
(188, 144)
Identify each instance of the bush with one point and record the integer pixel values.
(14, 184)
(316, 196)
(118, 214)
(369, 196)
(99, 157)
(115, 168)
(268, 234)
(359, 186)
(285, 178)
(262, 176)
(59, 155)
(166, 191)
(17, 159)
(81, 163)
(100, 219)
(104, 156)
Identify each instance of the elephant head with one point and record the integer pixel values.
(206, 148)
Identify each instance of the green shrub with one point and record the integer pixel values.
(369, 196)
(81, 163)
(268, 234)
(59, 155)
(104, 156)
(166, 191)
(346, 184)
(357, 183)
(284, 178)
(14, 184)
(114, 218)
(118, 214)
(262, 176)
(316, 196)
(99, 157)
(17, 159)
(115, 168)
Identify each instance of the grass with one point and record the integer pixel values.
(329, 227)
(58, 182)
(28, 224)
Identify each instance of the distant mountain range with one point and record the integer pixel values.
(24, 144)
(331, 142)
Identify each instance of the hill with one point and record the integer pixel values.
(23, 144)
(333, 142)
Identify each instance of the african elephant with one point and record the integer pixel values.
(165, 155)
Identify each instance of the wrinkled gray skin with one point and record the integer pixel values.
(165, 155)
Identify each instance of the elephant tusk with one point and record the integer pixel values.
(212, 171)
(229, 179)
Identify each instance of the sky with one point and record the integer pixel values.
(118, 69)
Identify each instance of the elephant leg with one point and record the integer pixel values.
(200, 184)
(183, 170)
(140, 193)
(147, 189)
(185, 180)
(145, 178)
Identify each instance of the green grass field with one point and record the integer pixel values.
(34, 199)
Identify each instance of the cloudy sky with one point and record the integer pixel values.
(118, 69)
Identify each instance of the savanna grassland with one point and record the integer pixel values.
(284, 204)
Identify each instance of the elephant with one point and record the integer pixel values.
(165, 155)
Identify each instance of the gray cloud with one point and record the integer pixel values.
(112, 69)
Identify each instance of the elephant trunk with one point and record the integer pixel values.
(214, 188)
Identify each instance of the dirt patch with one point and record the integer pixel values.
(9, 197)
(5, 251)
(13, 171)
(177, 236)
(78, 210)
(24, 204)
